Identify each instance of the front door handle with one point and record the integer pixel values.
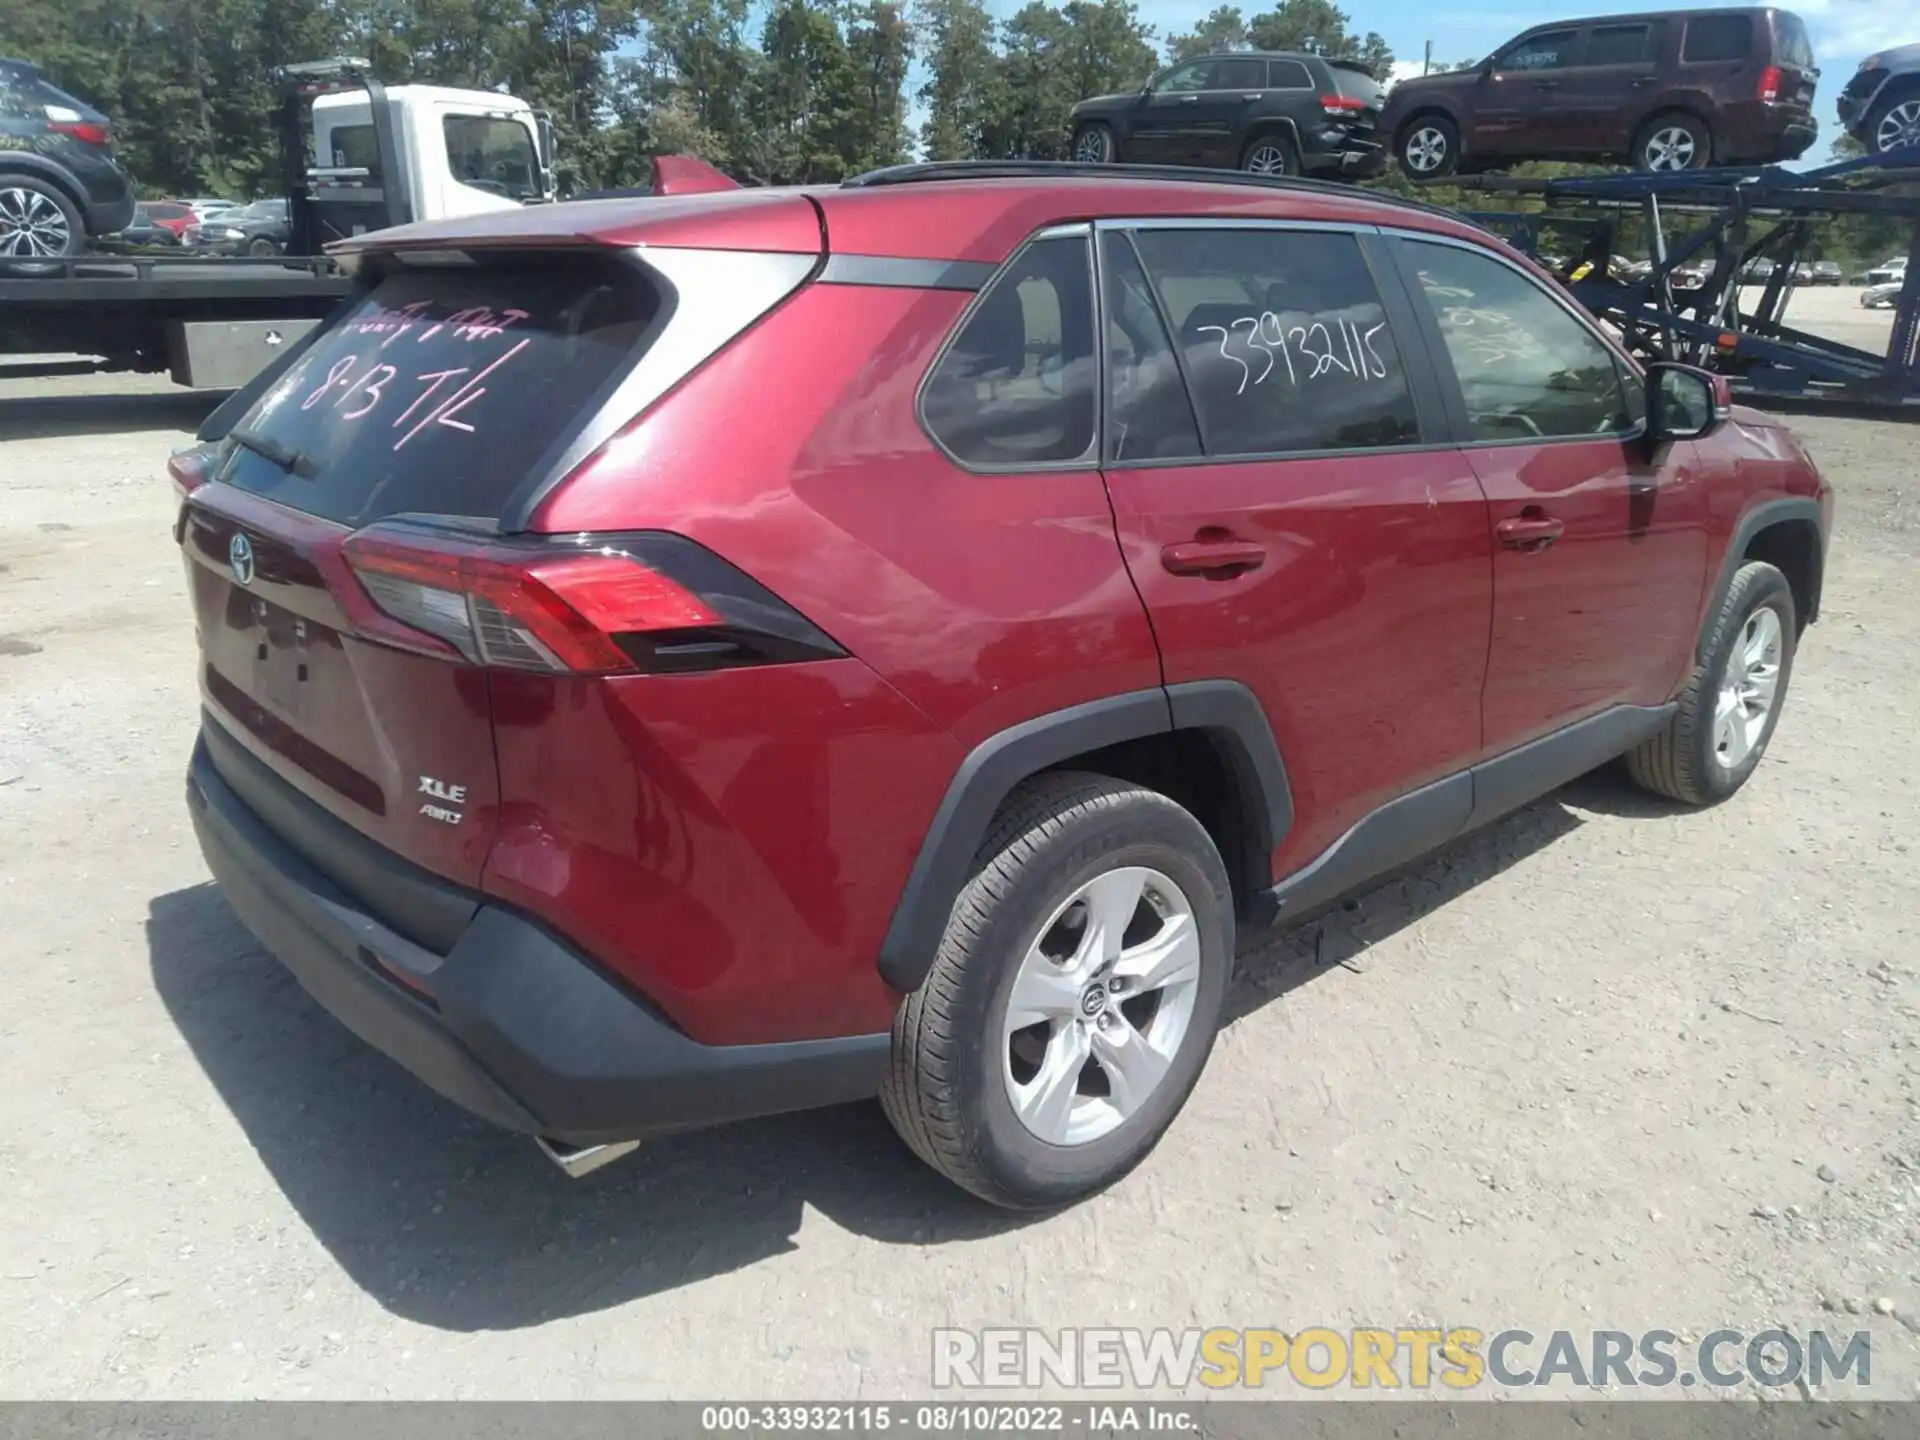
(1529, 533)
(1213, 557)
(1546, 84)
(1189, 99)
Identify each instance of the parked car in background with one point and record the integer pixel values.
(1881, 297)
(1272, 113)
(1888, 272)
(1676, 90)
(1880, 106)
(552, 736)
(1828, 272)
(59, 183)
(1757, 270)
(257, 229)
(144, 230)
(176, 217)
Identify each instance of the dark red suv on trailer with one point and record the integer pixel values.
(676, 659)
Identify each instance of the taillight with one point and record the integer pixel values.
(1771, 79)
(63, 120)
(651, 603)
(190, 468)
(1345, 107)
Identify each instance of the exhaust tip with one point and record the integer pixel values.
(577, 1161)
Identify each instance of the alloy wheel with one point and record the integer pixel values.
(1426, 149)
(1100, 1006)
(1748, 688)
(1267, 158)
(1671, 147)
(1091, 147)
(32, 225)
(1899, 126)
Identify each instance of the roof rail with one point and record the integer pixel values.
(931, 170)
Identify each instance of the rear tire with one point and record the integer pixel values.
(1673, 142)
(968, 1091)
(262, 247)
(1093, 145)
(38, 223)
(1428, 147)
(1270, 155)
(1715, 740)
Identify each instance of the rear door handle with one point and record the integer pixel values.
(1546, 84)
(1189, 99)
(1529, 532)
(1251, 95)
(1213, 557)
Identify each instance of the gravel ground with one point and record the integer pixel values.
(1605, 1064)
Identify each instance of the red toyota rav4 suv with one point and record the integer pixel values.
(675, 659)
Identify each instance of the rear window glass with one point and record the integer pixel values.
(442, 390)
(1717, 37)
(1354, 84)
(1794, 48)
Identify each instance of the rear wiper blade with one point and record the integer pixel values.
(268, 448)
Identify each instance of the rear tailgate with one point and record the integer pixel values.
(1793, 53)
(344, 555)
(1355, 82)
(442, 392)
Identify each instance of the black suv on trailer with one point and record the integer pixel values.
(1271, 112)
(59, 183)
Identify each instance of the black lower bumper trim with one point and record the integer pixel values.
(520, 1029)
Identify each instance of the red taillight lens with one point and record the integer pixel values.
(531, 612)
(190, 468)
(1771, 79)
(1344, 106)
(87, 132)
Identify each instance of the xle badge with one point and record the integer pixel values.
(440, 790)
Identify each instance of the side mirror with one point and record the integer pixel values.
(1685, 403)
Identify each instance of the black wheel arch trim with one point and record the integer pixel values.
(1763, 516)
(1225, 710)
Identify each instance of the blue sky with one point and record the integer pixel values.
(1843, 31)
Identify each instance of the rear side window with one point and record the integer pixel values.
(1288, 75)
(442, 390)
(1527, 369)
(1016, 386)
(1717, 37)
(1286, 345)
(1240, 75)
(1619, 45)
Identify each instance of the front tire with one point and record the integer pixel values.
(1093, 145)
(1075, 996)
(1673, 142)
(1894, 123)
(1732, 701)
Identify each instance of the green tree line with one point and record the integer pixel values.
(773, 91)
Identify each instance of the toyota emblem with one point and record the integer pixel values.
(240, 558)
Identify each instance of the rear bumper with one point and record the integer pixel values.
(511, 1023)
(1355, 159)
(1764, 131)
